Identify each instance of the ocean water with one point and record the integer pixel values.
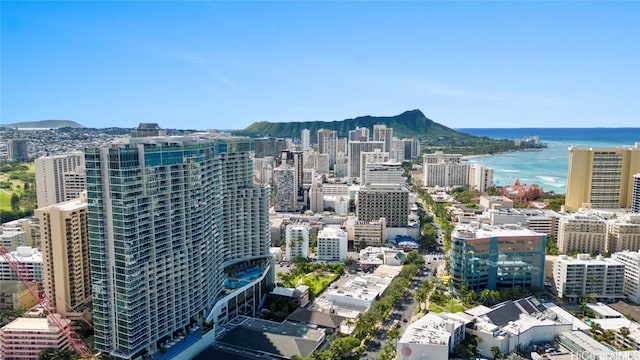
(547, 167)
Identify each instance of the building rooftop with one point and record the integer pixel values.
(429, 329)
(586, 342)
(477, 230)
(279, 339)
(26, 254)
(586, 259)
(30, 324)
(323, 319)
(604, 310)
(567, 317)
(616, 323)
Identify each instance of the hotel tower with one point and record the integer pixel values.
(167, 215)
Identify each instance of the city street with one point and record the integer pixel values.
(403, 309)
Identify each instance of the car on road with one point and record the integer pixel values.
(404, 320)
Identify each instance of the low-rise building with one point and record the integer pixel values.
(433, 336)
(25, 338)
(31, 258)
(515, 324)
(369, 233)
(332, 244)
(494, 202)
(583, 275)
(15, 295)
(297, 241)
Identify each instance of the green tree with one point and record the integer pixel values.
(15, 202)
(495, 350)
(624, 331)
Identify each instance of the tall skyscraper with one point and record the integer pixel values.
(383, 133)
(356, 148)
(635, 197)
(50, 178)
(305, 139)
(166, 216)
(327, 144)
(601, 177)
(294, 159)
(284, 183)
(383, 201)
(64, 233)
(359, 134)
(17, 150)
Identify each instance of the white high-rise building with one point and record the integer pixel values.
(356, 148)
(305, 139)
(168, 217)
(583, 275)
(480, 177)
(50, 180)
(332, 244)
(389, 172)
(445, 170)
(631, 261)
(367, 157)
(297, 241)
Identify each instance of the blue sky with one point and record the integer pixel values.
(225, 65)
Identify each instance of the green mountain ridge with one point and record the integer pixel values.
(409, 124)
(44, 124)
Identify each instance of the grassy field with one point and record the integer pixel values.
(17, 186)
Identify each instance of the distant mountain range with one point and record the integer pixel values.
(44, 124)
(409, 124)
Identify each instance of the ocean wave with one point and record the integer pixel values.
(550, 179)
(509, 170)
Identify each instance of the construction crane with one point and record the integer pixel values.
(28, 279)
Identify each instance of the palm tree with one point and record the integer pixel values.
(624, 331)
(495, 351)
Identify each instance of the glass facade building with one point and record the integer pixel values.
(496, 257)
(166, 215)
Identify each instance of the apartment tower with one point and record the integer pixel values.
(601, 177)
(166, 216)
(66, 270)
(51, 172)
(383, 133)
(635, 197)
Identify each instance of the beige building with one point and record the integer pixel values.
(50, 177)
(384, 201)
(623, 233)
(15, 295)
(369, 233)
(601, 177)
(583, 232)
(66, 269)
